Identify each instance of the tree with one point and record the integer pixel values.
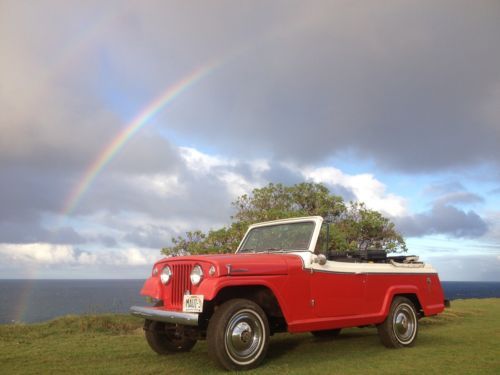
(352, 225)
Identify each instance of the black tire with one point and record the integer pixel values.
(326, 334)
(238, 335)
(165, 340)
(400, 328)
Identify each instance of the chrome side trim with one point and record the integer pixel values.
(156, 314)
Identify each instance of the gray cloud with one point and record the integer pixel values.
(444, 187)
(410, 88)
(151, 236)
(346, 194)
(463, 197)
(495, 191)
(26, 192)
(415, 87)
(466, 267)
(106, 240)
(281, 174)
(450, 192)
(397, 83)
(30, 231)
(443, 219)
(29, 190)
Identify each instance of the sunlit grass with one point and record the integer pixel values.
(465, 339)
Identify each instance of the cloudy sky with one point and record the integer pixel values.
(394, 103)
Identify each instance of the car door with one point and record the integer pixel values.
(335, 292)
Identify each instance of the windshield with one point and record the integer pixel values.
(279, 237)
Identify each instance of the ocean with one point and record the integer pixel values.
(30, 301)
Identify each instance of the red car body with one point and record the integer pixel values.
(340, 300)
(299, 291)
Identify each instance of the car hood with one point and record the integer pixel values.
(240, 264)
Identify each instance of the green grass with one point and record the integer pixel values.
(465, 339)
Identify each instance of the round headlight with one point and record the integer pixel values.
(196, 275)
(165, 276)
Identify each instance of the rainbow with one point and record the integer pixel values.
(110, 150)
(22, 301)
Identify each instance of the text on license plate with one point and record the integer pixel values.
(193, 303)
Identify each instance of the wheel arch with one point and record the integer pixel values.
(413, 297)
(411, 292)
(260, 294)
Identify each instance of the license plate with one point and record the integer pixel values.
(193, 303)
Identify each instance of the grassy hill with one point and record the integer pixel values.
(465, 339)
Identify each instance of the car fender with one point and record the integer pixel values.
(210, 288)
(397, 290)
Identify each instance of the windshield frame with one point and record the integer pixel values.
(316, 220)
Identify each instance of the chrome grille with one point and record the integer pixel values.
(180, 283)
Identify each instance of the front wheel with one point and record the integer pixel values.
(165, 338)
(400, 328)
(238, 335)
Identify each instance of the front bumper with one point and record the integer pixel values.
(160, 315)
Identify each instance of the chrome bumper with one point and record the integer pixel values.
(174, 317)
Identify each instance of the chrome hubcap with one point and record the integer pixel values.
(404, 323)
(244, 336)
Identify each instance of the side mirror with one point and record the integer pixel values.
(320, 259)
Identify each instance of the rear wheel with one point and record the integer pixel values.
(326, 334)
(400, 328)
(166, 338)
(238, 335)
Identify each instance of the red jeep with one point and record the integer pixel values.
(280, 279)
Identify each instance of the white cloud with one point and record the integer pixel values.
(493, 220)
(160, 184)
(222, 169)
(136, 257)
(41, 253)
(203, 163)
(87, 258)
(45, 254)
(260, 165)
(236, 184)
(365, 187)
